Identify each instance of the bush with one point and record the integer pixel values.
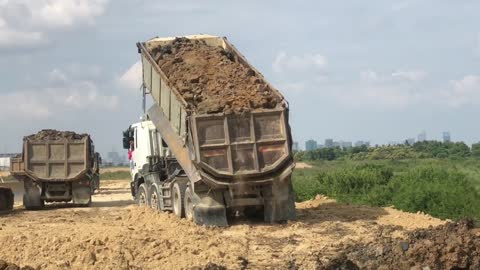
(434, 188)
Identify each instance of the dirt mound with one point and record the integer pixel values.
(450, 246)
(10, 266)
(51, 134)
(212, 80)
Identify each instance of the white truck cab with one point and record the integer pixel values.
(146, 142)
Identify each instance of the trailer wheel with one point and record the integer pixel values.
(178, 193)
(142, 199)
(32, 202)
(188, 203)
(154, 198)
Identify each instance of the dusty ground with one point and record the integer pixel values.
(113, 234)
(302, 165)
(212, 80)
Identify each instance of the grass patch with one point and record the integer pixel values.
(443, 188)
(115, 175)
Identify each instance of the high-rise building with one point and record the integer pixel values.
(361, 143)
(346, 145)
(329, 143)
(310, 145)
(446, 136)
(295, 146)
(410, 141)
(422, 137)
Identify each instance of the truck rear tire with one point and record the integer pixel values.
(188, 204)
(178, 197)
(142, 199)
(155, 198)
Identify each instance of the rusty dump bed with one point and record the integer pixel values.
(215, 111)
(53, 158)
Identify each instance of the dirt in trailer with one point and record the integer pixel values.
(211, 79)
(115, 234)
(51, 134)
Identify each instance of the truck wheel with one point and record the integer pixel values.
(154, 198)
(188, 203)
(178, 193)
(32, 202)
(142, 199)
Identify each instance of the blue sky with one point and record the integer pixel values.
(352, 70)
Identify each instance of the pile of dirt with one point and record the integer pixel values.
(10, 266)
(52, 134)
(211, 79)
(449, 246)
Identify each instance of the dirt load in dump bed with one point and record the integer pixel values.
(211, 79)
(449, 246)
(51, 134)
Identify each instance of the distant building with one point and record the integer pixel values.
(5, 161)
(346, 145)
(310, 145)
(295, 146)
(446, 136)
(329, 143)
(361, 143)
(422, 137)
(115, 159)
(410, 141)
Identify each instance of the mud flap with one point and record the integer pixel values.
(209, 209)
(279, 201)
(32, 197)
(81, 194)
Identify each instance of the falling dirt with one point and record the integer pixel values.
(211, 79)
(114, 234)
(51, 134)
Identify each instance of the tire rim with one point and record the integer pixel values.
(175, 202)
(154, 201)
(142, 199)
(188, 207)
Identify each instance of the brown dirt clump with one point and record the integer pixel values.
(51, 134)
(449, 246)
(11, 266)
(211, 79)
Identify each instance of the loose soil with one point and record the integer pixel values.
(114, 234)
(51, 134)
(211, 79)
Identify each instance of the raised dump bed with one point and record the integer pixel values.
(57, 166)
(222, 121)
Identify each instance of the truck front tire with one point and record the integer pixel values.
(142, 199)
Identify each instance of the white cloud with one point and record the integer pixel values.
(28, 23)
(284, 62)
(410, 75)
(464, 92)
(132, 78)
(25, 105)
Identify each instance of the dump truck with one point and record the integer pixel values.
(57, 166)
(216, 142)
(6, 199)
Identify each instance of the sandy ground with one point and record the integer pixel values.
(303, 165)
(114, 234)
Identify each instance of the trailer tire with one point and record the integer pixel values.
(155, 198)
(32, 203)
(142, 198)
(188, 204)
(178, 198)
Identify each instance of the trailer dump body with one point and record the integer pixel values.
(60, 166)
(224, 123)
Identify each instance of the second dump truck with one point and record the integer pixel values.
(57, 166)
(216, 141)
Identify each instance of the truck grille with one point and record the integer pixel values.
(251, 143)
